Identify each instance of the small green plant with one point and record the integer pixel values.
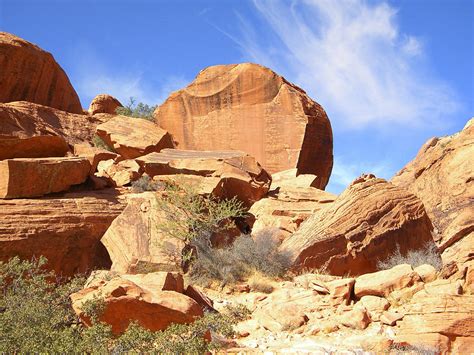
(429, 254)
(237, 312)
(139, 110)
(99, 143)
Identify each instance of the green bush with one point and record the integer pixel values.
(139, 110)
(99, 143)
(36, 316)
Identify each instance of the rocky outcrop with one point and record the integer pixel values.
(133, 137)
(442, 176)
(29, 130)
(93, 154)
(136, 244)
(250, 108)
(119, 174)
(65, 229)
(366, 223)
(31, 74)
(128, 299)
(104, 104)
(27, 177)
(233, 173)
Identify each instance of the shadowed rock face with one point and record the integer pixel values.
(364, 224)
(65, 229)
(250, 108)
(442, 176)
(31, 74)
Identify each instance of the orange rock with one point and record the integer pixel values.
(442, 176)
(31, 74)
(30, 177)
(133, 137)
(65, 229)
(382, 283)
(136, 244)
(358, 318)
(104, 104)
(119, 174)
(125, 301)
(366, 223)
(341, 290)
(391, 318)
(93, 154)
(250, 108)
(205, 302)
(30, 130)
(291, 179)
(158, 281)
(239, 174)
(374, 305)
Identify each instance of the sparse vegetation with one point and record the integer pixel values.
(139, 110)
(237, 312)
(145, 183)
(36, 317)
(429, 254)
(260, 283)
(99, 143)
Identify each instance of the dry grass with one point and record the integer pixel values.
(428, 255)
(260, 283)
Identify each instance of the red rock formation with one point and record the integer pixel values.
(31, 74)
(442, 176)
(104, 104)
(127, 301)
(366, 223)
(250, 108)
(133, 137)
(65, 229)
(30, 130)
(31, 177)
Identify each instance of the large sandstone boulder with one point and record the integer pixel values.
(93, 154)
(65, 229)
(133, 137)
(31, 74)
(250, 108)
(29, 130)
(442, 176)
(126, 301)
(135, 242)
(104, 104)
(233, 173)
(366, 223)
(30, 177)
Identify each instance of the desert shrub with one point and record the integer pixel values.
(429, 254)
(411, 349)
(237, 312)
(36, 316)
(145, 183)
(260, 283)
(244, 257)
(139, 110)
(99, 143)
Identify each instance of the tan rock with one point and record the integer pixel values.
(469, 283)
(382, 283)
(136, 244)
(283, 317)
(125, 301)
(158, 281)
(65, 229)
(358, 318)
(391, 318)
(93, 154)
(427, 272)
(444, 287)
(283, 127)
(442, 176)
(291, 179)
(425, 343)
(375, 306)
(133, 137)
(119, 174)
(341, 290)
(104, 103)
(31, 74)
(29, 130)
(366, 223)
(31, 177)
(240, 174)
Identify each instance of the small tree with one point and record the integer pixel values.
(139, 110)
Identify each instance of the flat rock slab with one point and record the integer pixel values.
(133, 137)
(26, 177)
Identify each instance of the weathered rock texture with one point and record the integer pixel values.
(66, 229)
(31, 74)
(442, 176)
(104, 104)
(136, 244)
(133, 137)
(250, 108)
(29, 130)
(234, 173)
(138, 300)
(366, 223)
(93, 154)
(30, 177)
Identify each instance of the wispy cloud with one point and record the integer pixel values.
(352, 57)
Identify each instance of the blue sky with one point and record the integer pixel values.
(390, 74)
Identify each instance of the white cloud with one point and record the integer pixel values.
(351, 56)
